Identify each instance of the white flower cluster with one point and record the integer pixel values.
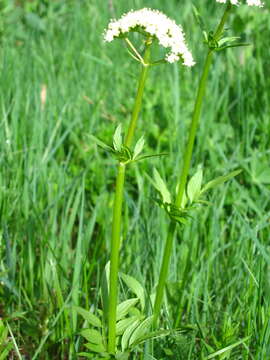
(249, 2)
(166, 31)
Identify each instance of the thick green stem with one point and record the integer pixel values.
(117, 210)
(186, 166)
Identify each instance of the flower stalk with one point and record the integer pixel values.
(186, 166)
(117, 209)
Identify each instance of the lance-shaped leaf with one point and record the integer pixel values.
(219, 180)
(123, 324)
(138, 147)
(90, 356)
(143, 157)
(198, 17)
(105, 286)
(128, 332)
(122, 356)
(98, 348)
(229, 39)
(140, 331)
(101, 143)
(227, 349)
(92, 336)
(117, 138)
(194, 185)
(161, 186)
(123, 308)
(135, 287)
(88, 316)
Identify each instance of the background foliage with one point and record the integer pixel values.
(56, 186)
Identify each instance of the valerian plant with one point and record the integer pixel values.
(189, 194)
(126, 325)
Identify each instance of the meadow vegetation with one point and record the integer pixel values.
(60, 83)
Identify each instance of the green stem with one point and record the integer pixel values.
(164, 271)
(117, 210)
(186, 166)
(138, 101)
(197, 111)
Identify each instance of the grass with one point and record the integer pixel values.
(56, 186)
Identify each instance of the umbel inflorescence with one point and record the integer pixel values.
(249, 2)
(156, 25)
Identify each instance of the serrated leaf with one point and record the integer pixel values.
(135, 287)
(138, 147)
(140, 331)
(101, 143)
(117, 138)
(98, 348)
(161, 186)
(122, 325)
(123, 308)
(128, 332)
(88, 316)
(194, 185)
(92, 336)
(219, 180)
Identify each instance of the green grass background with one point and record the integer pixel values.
(57, 186)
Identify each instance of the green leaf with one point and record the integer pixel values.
(232, 45)
(92, 336)
(198, 17)
(123, 308)
(122, 356)
(90, 356)
(105, 291)
(98, 348)
(135, 287)
(128, 332)
(88, 316)
(122, 325)
(227, 348)
(138, 147)
(152, 335)
(141, 330)
(87, 355)
(6, 351)
(227, 40)
(161, 186)
(194, 185)
(219, 180)
(117, 138)
(149, 156)
(101, 143)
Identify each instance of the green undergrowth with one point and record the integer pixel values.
(56, 185)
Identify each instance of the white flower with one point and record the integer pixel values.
(249, 2)
(153, 22)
